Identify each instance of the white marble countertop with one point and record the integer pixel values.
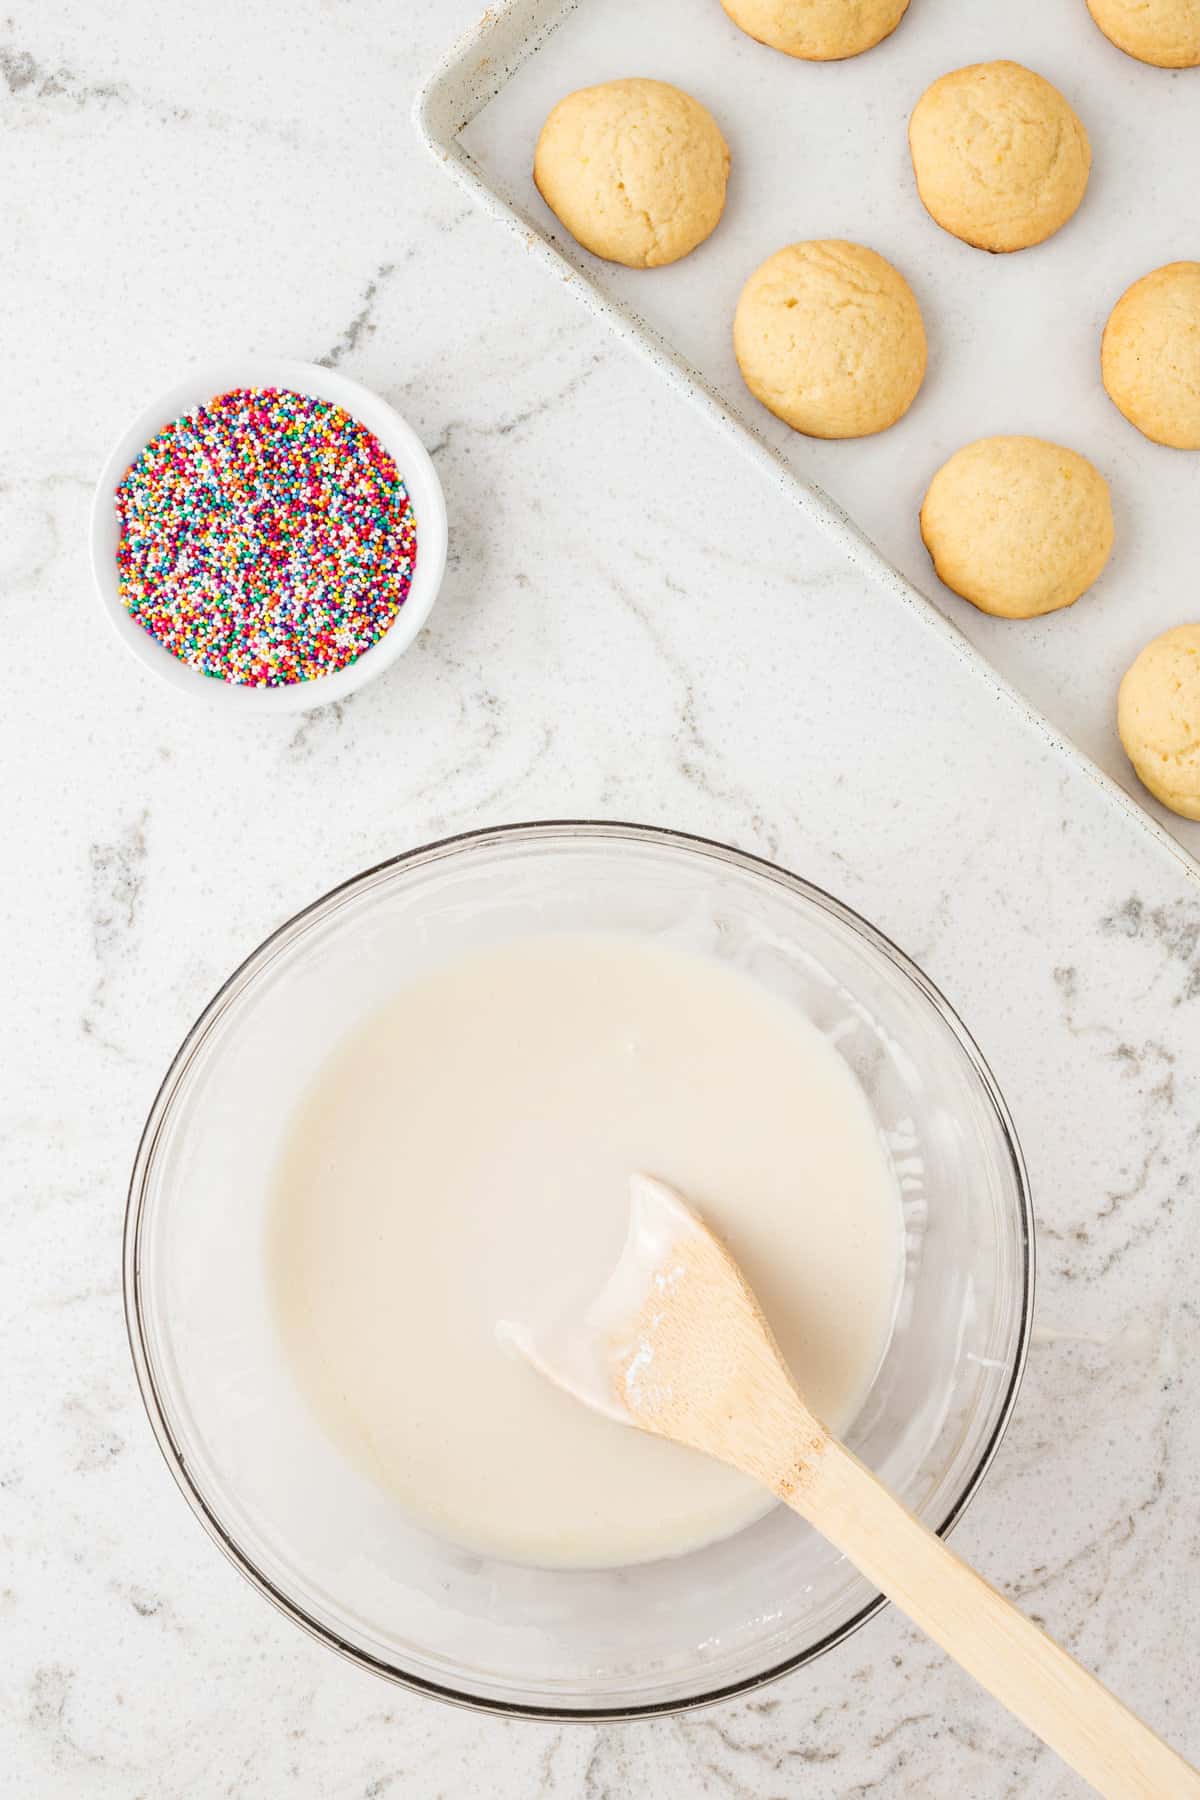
(180, 186)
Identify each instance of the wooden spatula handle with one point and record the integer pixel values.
(1007, 1654)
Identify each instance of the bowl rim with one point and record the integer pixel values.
(438, 849)
(417, 470)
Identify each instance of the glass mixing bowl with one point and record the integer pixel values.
(331, 1549)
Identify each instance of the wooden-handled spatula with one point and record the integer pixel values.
(676, 1343)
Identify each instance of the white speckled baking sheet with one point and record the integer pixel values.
(821, 150)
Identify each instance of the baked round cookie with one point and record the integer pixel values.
(1150, 355)
(1164, 32)
(1017, 526)
(829, 336)
(817, 30)
(1158, 717)
(1001, 160)
(636, 170)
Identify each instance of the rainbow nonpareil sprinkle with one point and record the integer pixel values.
(266, 538)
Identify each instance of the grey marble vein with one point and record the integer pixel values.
(362, 324)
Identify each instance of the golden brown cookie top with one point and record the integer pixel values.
(1163, 32)
(1000, 157)
(1150, 355)
(635, 170)
(1017, 526)
(817, 30)
(829, 336)
(1158, 718)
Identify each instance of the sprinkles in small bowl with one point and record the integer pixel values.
(262, 545)
(266, 538)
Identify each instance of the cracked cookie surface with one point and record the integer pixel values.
(1018, 526)
(1150, 355)
(1001, 159)
(1158, 718)
(1163, 32)
(829, 336)
(817, 30)
(635, 170)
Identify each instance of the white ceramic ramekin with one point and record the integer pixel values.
(411, 458)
